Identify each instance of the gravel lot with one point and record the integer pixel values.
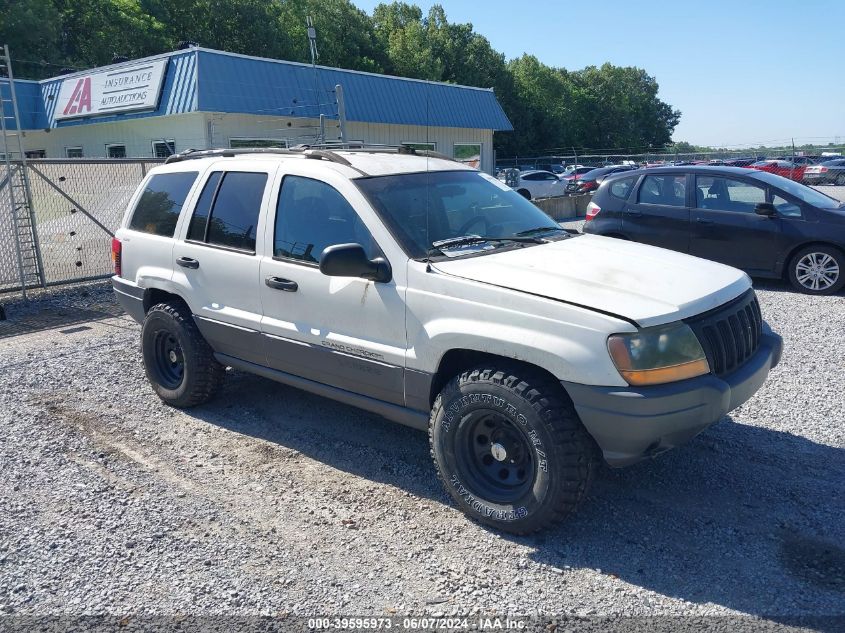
(272, 501)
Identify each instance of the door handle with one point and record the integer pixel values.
(187, 262)
(278, 283)
(704, 221)
(635, 214)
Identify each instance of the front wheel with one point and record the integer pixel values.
(179, 363)
(818, 270)
(509, 448)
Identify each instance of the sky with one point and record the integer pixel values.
(742, 73)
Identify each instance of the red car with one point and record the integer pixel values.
(784, 168)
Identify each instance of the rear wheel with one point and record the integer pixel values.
(524, 193)
(509, 448)
(818, 270)
(179, 364)
(840, 180)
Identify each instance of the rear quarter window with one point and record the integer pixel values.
(159, 206)
(621, 188)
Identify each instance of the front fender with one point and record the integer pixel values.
(578, 357)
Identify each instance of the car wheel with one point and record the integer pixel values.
(840, 180)
(524, 193)
(178, 362)
(510, 449)
(818, 270)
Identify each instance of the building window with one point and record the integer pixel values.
(36, 153)
(116, 151)
(163, 149)
(239, 143)
(421, 146)
(468, 154)
(73, 152)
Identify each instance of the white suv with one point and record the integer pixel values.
(432, 294)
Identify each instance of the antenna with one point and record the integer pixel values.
(312, 40)
(312, 45)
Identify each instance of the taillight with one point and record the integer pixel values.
(116, 250)
(592, 211)
(822, 170)
(589, 185)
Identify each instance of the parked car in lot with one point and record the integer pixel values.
(422, 290)
(780, 167)
(591, 180)
(574, 171)
(740, 162)
(537, 183)
(765, 224)
(803, 160)
(830, 172)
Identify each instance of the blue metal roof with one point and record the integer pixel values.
(252, 85)
(215, 81)
(30, 105)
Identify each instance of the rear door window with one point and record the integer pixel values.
(159, 206)
(228, 209)
(664, 189)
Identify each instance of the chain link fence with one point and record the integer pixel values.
(77, 206)
(794, 161)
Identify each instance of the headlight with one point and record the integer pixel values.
(658, 355)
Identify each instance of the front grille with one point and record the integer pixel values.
(730, 334)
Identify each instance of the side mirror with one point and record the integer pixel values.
(765, 208)
(350, 260)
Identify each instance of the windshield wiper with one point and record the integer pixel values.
(541, 229)
(463, 240)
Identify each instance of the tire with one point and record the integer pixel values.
(524, 193)
(178, 362)
(817, 270)
(840, 180)
(492, 421)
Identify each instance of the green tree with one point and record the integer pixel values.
(403, 37)
(32, 30)
(94, 31)
(552, 109)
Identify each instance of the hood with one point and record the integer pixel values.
(644, 284)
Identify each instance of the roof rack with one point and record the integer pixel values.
(374, 148)
(322, 151)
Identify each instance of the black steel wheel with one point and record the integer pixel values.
(495, 456)
(179, 363)
(169, 364)
(509, 448)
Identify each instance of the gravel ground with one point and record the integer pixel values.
(272, 501)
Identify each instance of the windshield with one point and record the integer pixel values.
(802, 192)
(427, 208)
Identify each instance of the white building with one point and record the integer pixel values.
(200, 98)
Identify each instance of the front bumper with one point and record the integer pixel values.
(632, 423)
